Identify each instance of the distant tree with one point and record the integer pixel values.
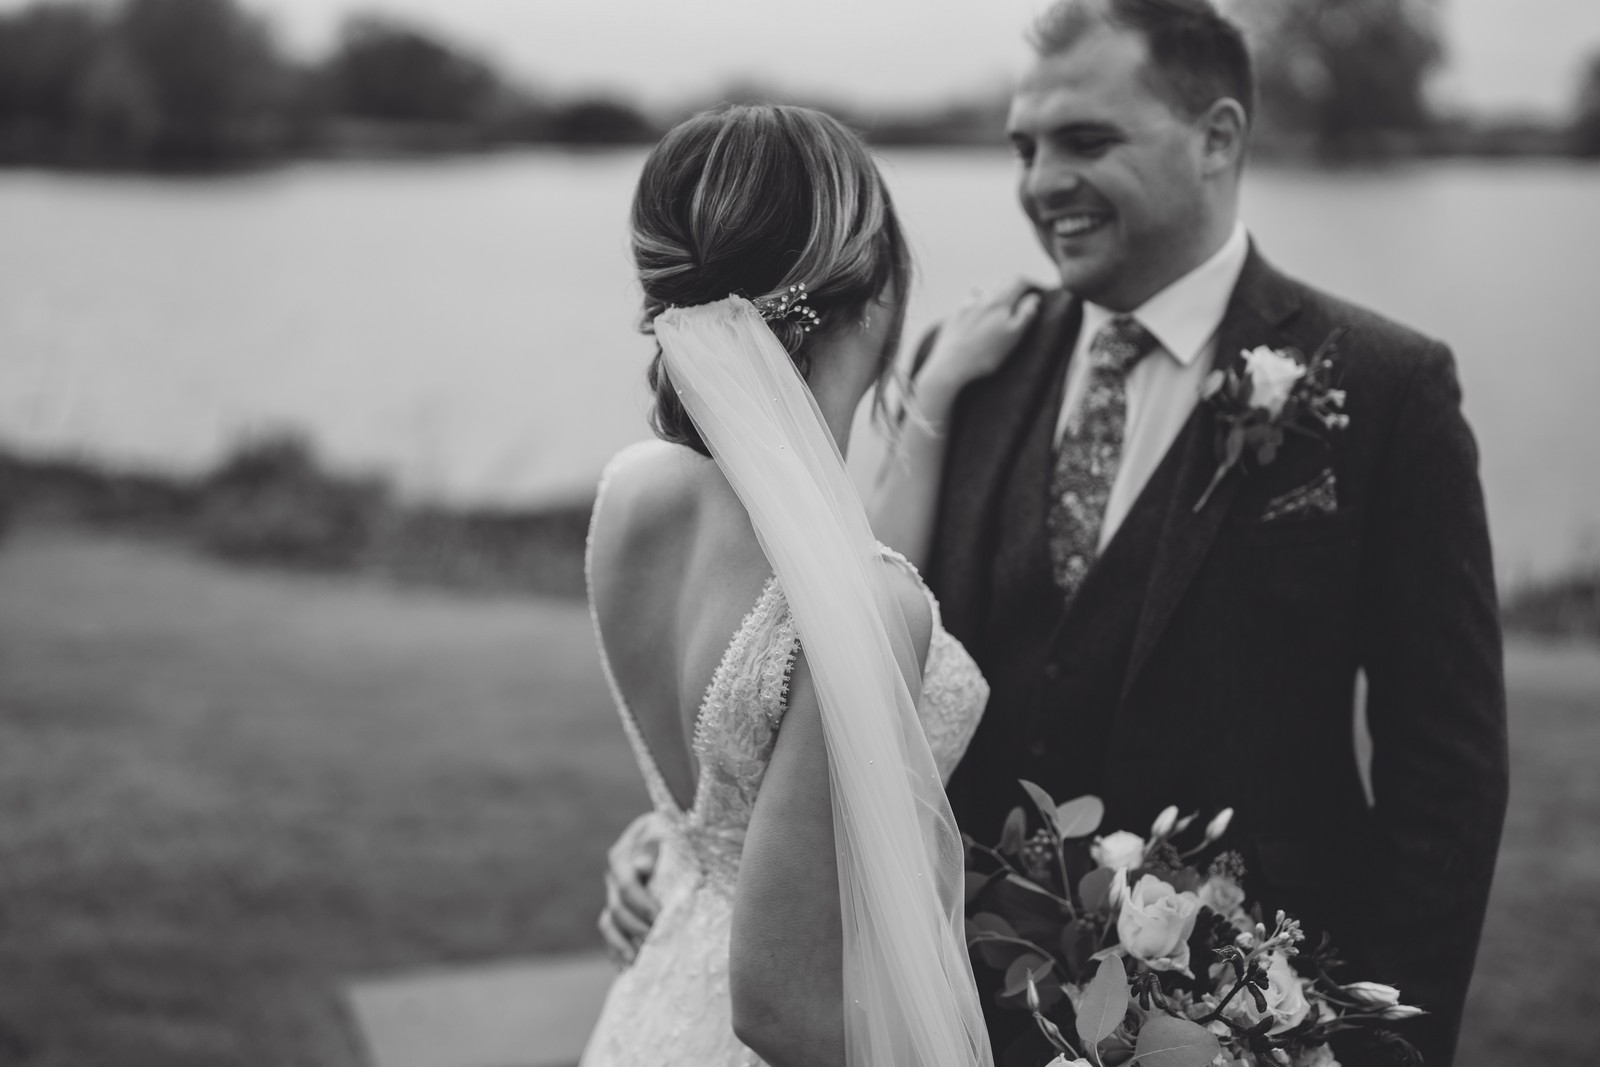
(214, 85)
(387, 70)
(1348, 74)
(1586, 119)
(601, 121)
(45, 53)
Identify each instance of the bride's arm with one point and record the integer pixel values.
(785, 956)
(970, 344)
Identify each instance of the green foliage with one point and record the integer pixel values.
(1348, 74)
(1104, 1003)
(387, 70)
(201, 83)
(1586, 118)
(272, 501)
(1168, 1042)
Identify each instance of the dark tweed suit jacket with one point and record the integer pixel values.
(1211, 658)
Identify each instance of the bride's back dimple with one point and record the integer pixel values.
(674, 574)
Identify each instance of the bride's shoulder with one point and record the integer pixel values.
(650, 481)
(649, 492)
(916, 604)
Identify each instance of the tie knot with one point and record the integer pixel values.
(1121, 343)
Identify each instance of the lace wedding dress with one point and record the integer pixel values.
(671, 1007)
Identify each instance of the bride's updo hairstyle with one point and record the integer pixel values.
(754, 199)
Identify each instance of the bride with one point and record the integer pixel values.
(789, 692)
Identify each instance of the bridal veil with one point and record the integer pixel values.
(910, 1000)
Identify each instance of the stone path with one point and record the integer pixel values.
(535, 1013)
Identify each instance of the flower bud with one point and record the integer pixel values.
(1218, 824)
(1376, 994)
(1401, 1011)
(1119, 887)
(1033, 995)
(1164, 822)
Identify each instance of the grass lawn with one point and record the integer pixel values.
(224, 793)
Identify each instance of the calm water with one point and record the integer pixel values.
(467, 325)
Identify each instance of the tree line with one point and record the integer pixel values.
(203, 83)
(198, 82)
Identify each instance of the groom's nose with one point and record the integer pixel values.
(1047, 182)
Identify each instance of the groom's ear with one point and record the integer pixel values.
(1226, 131)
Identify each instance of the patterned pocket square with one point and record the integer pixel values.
(1319, 496)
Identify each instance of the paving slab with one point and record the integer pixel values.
(525, 1013)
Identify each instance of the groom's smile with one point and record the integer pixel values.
(1111, 174)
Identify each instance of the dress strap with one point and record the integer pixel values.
(660, 796)
(911, 568)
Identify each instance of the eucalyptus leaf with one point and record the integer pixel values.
(1165, 1041)
(1013, 833)
(1104, 1003)
(1028, 965)
(1095, 889)
(976, 883)
(1080, 817)
(1042, 800)
(989, 922)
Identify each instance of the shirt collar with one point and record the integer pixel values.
(1185, 314)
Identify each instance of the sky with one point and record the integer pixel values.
(1506, 56)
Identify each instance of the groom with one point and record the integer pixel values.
(1155, 651)
(1151, 650)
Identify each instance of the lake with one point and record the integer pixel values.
(467, 325)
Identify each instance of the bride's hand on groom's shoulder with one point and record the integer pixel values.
(630, 909)
(974, 340)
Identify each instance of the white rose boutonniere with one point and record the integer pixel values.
(1281, 391)
(1272, 377)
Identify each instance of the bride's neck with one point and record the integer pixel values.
(839, 378)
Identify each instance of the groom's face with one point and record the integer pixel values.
(1111, 175)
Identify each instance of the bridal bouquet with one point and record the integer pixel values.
(1119, 941)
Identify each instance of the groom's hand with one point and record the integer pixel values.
(630, 908)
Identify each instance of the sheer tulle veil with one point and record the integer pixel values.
(910, 1000)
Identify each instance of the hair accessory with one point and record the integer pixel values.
(789, 306)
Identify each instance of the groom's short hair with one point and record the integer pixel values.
(1197, 55)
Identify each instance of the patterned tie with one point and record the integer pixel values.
(1091, 450)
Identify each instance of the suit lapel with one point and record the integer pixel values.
(1262, 302)
(992, 420)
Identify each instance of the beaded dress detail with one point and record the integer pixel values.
(671, 1006)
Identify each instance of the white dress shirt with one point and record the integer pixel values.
(1164, 387)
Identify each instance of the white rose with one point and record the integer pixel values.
(1285, 997)
(1321, 1056)
(1222, 895)
(1155, 923)
(1118, 850)
(1272, 376)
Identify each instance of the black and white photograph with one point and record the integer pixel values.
(856, 533)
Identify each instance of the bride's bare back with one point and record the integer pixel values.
(674, 567)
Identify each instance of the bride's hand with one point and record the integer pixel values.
(973, 342)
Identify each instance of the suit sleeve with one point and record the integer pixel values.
(1435, 706)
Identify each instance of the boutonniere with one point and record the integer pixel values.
(1280, 392)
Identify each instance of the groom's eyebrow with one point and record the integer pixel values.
(1071, 130)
